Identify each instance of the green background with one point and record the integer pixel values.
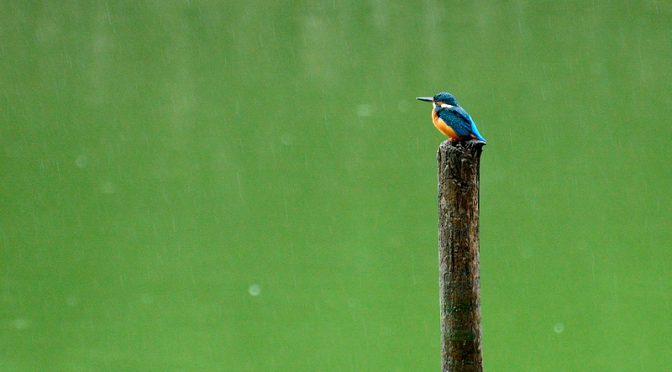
(251, 186)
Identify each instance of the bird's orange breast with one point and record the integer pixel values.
(442, 126)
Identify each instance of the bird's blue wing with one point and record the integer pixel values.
(460, 121)
(457, 119)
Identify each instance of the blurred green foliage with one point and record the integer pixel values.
(250, 186)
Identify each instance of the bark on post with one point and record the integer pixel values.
(459, 277)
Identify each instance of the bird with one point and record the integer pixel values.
(451, 119)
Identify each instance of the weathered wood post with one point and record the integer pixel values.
(459, 277)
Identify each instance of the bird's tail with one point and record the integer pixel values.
(477, 135)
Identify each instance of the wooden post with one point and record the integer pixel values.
(459, 277)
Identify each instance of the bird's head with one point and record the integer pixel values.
(441, 98)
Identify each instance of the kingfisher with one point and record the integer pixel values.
(451, 119)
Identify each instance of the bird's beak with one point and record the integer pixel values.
(427, 99)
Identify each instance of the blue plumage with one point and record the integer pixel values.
(459, 120)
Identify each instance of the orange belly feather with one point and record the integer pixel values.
(443, 127)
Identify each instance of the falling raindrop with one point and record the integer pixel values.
(147, 299)
(287, 139)
(72, 301)
(82, 161)
(254, 290)
(108, 188)
(20, 323)
(364, 110)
